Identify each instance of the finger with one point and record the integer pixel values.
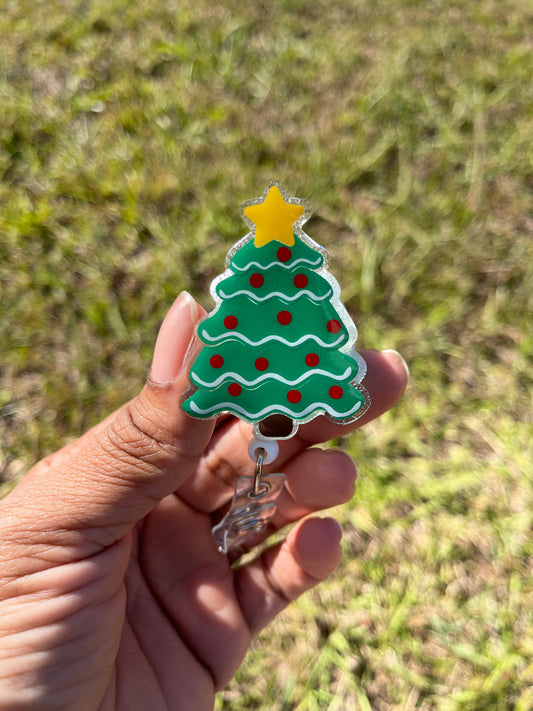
(227, 456)
(316, 480)
(224, 460)
(118, 475)
(310, 553)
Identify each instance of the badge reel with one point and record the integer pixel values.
(278, 350)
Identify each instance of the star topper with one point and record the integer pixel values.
(274, 217)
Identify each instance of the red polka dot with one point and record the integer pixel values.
(300, 281)
(261, 364)
(334, 326)
(257, 280)
(230, 322)
(284, 254)
(294, 396)
(284, 317)
(312, 359)
(335, 392)
(234, 389)
(216, 361)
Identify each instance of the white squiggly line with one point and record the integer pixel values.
(274, 408)
(241, 337)
(274, 294)
(283, 265)
(267, 376)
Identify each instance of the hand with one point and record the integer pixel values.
(112, 592)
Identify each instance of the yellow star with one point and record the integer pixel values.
(274, 218)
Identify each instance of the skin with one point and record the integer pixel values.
(112, 592)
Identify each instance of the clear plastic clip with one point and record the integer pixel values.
(251, 510)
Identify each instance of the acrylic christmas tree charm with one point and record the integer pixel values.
(279, 346)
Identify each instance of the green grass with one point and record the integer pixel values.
(130, 133)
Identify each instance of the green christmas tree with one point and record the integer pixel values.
(278, 348)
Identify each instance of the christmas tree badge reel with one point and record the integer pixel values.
(278, 350)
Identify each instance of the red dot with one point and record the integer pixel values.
(284, 317)
(335, 392)
(230, 322)
(216, 361)
(300, 281)
(261, 364)
(334, 326)
(256, 280)
(234, 389)
(294, 396)
(312, 359)
(284, 254)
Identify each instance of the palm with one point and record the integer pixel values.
(187, 626)
(190, 617)
(160, 663)
(173, 649)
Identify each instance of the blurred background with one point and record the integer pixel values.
(130, 134)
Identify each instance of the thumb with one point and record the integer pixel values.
(122, 469)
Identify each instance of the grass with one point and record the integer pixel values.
(129, 135)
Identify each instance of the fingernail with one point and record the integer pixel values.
(400, 359)
(173, 339)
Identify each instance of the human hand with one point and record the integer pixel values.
(112, 592)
